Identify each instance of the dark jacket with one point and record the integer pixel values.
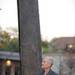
(50, 73)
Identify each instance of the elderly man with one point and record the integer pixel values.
(47, 63)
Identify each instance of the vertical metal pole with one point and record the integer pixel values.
(29, 32)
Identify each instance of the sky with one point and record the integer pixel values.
(8, 14)
(57, 17)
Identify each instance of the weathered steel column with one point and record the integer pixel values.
(30, 42)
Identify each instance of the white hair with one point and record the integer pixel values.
(49, 59)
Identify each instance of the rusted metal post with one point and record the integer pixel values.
(30, 42)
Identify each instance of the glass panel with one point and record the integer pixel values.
(9, 35)
(9, 26)
(57, 23)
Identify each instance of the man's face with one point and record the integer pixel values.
(46, 64)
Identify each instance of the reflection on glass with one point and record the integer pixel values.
(9, 43)
(57, 23)
(8, 25)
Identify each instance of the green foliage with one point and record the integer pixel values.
(14, 44)
(44, 45)
(7, 43)
(45, 50)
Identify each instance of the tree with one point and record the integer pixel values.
(7, 43)
(14, 44)
(44, 45)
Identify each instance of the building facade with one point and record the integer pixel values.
(9, 63)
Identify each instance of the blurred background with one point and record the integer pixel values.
(57, 23)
